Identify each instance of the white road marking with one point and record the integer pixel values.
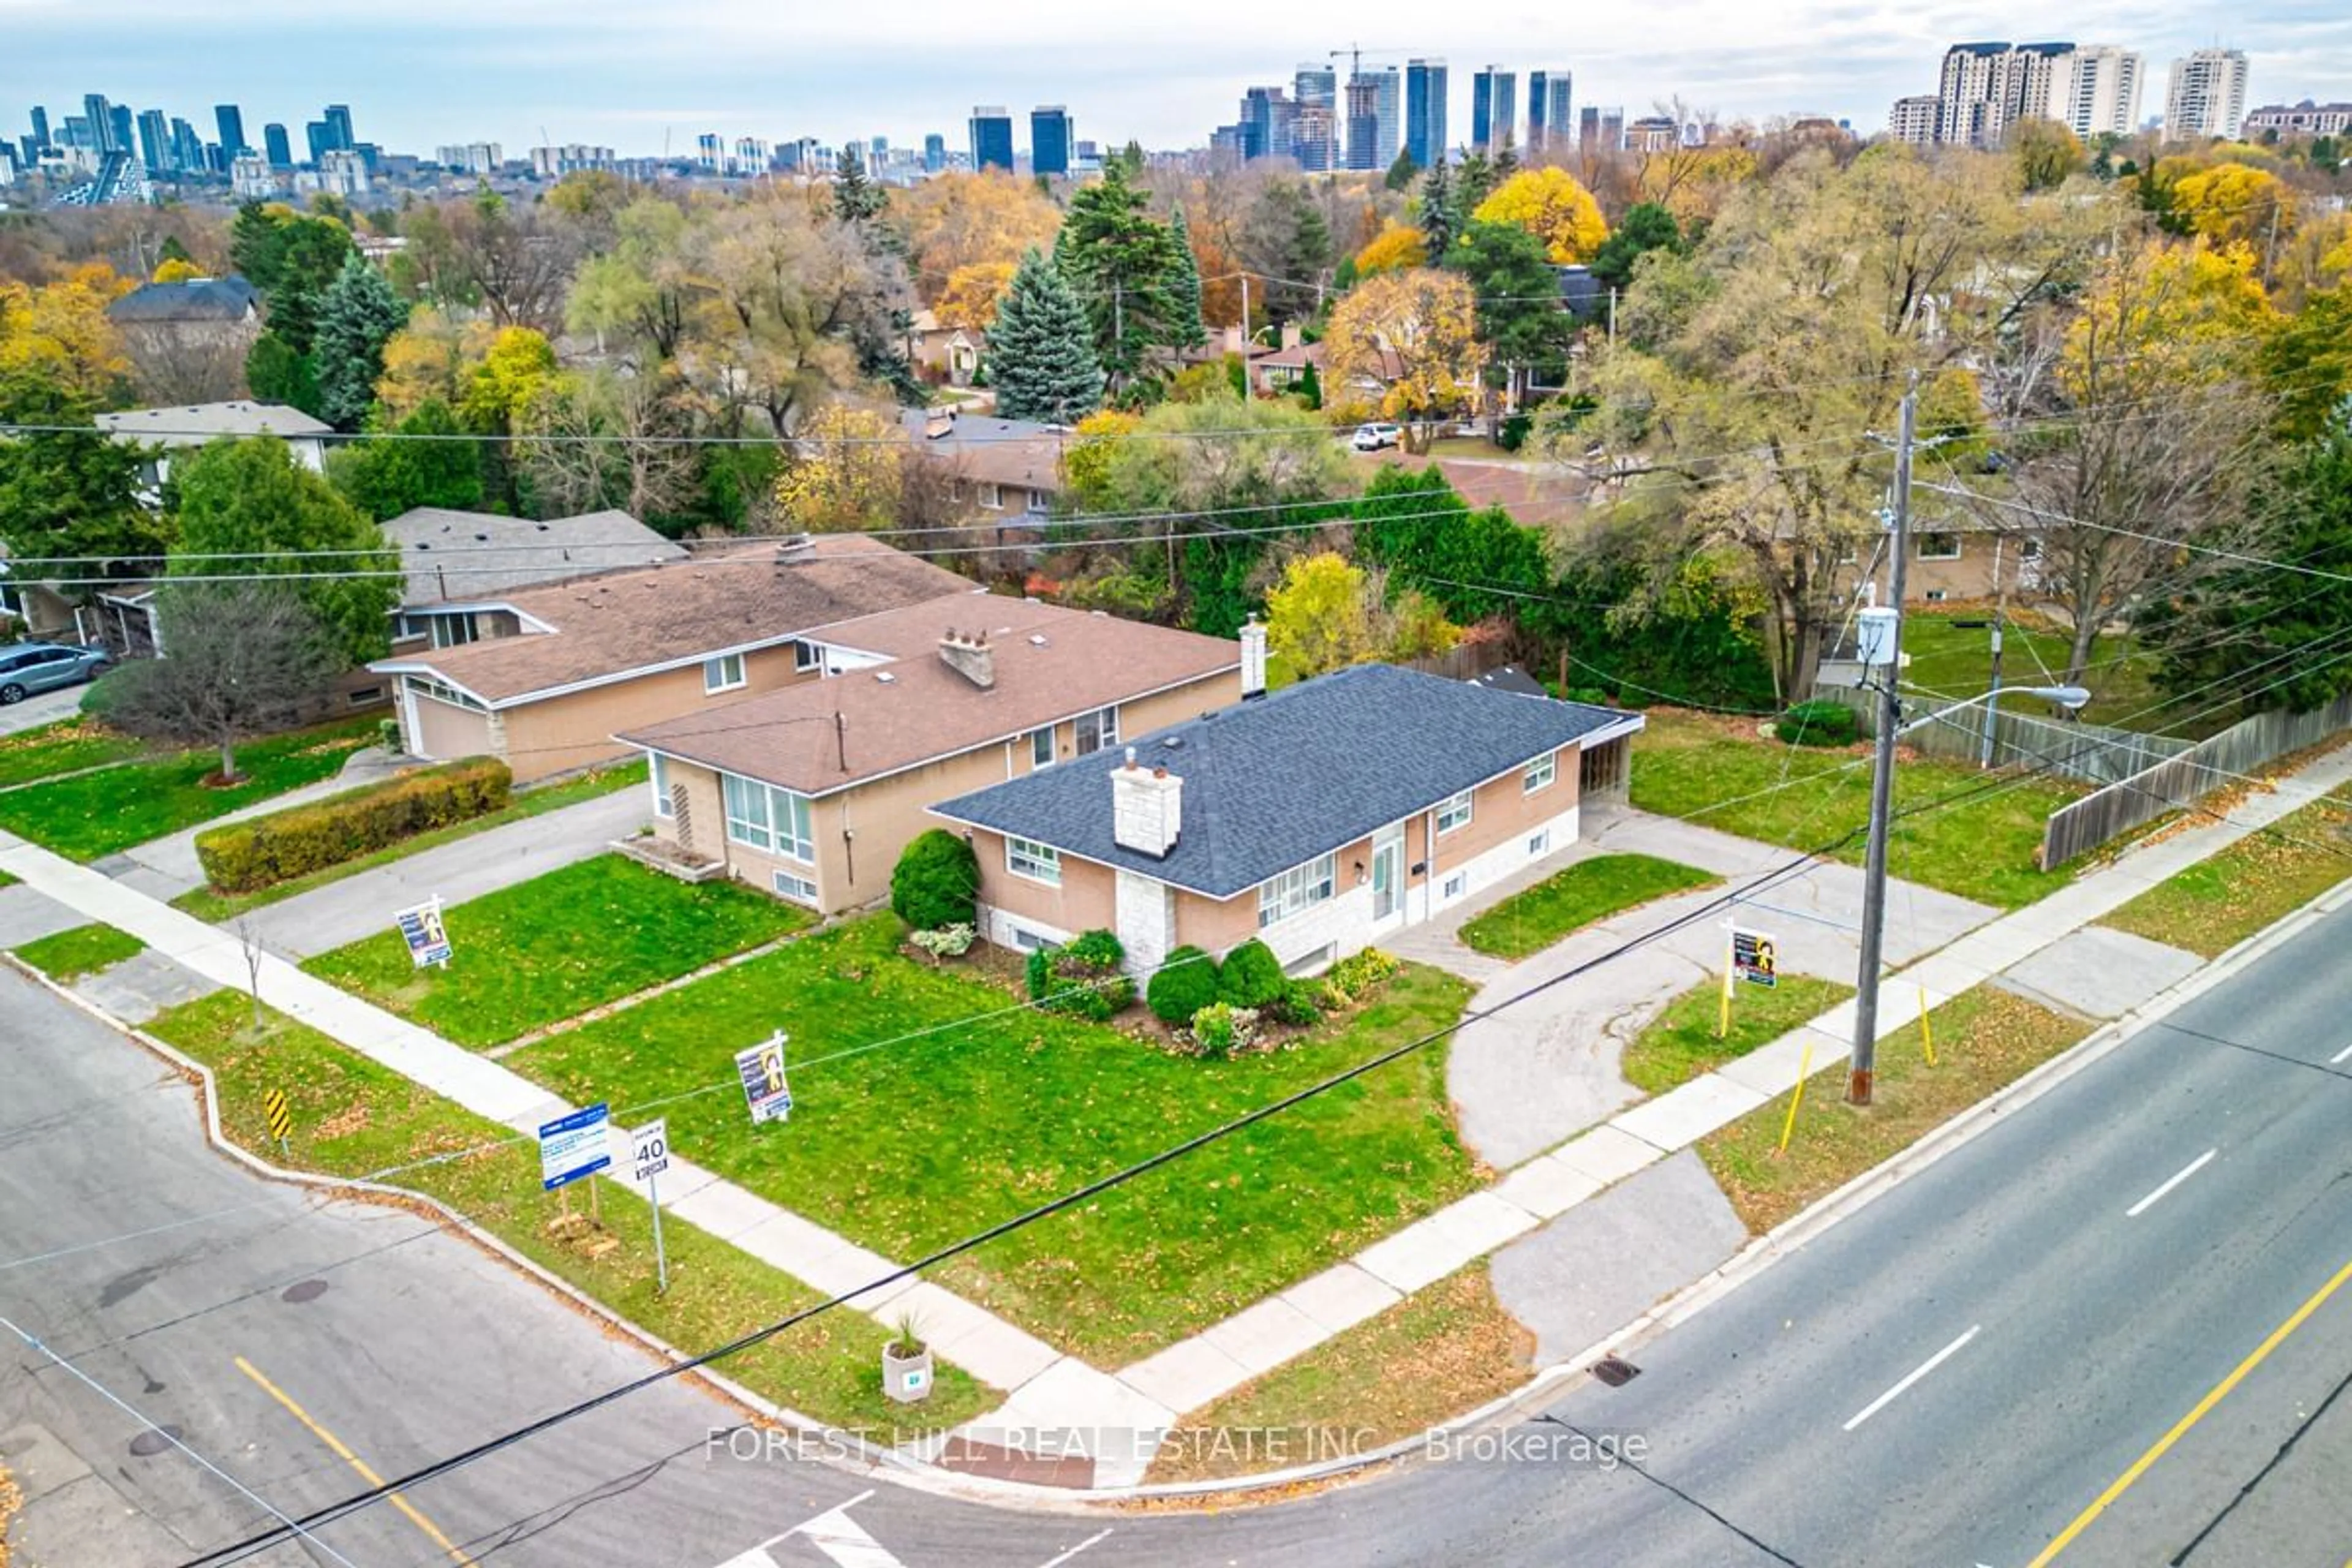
(1930, 1364)
(2340, 1058)
(844, 1540)
(2150, 1201)
(1073, 1552)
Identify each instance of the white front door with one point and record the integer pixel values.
(1388, 877)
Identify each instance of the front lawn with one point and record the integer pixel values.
(97, 814)
(355, 1119)
(1720, 773)
(1447, 1348)
(551, 948)
(68, 955)
(66, 746)
(1680, 1044)
(1986, 1039)
(1590, 891)
(214, 908)
(2261, 878)
(931, 1107)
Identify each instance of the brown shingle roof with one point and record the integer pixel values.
(1050, 663)
(618, 624)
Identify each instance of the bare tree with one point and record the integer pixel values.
(240, 659)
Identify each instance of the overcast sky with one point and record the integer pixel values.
(426, 72)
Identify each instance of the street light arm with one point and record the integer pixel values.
(2065, 696)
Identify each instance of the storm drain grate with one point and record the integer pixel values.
(1615, 1371)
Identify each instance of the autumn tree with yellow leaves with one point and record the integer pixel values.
(1413, 334)
(1552, 204)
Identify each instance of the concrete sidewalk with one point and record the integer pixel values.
(1047, 1387)
(363, 904)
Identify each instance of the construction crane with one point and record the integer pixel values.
(1355, 54)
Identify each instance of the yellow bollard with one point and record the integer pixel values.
(1926, 1030)
(1723, 1013)
(1804, 1071)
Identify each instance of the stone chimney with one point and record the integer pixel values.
(1252, 659)
(938, 422)
(1290, 335)
(1147, 808)
(969, 656)
(793, 549)
(1236, 340)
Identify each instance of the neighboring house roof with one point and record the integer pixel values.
(1297, 357)
(1048, 663)
(467, 555)
(618, 625)
(196, 300)
(990, 450)
(1275, 783)
(196, 423)
(1510, 677)
(1536, 496)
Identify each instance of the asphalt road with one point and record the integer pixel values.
(41, 708)
(1955, 1375)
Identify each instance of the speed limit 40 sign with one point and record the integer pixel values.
(649, 1149)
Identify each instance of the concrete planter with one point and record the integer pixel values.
(906, 1373)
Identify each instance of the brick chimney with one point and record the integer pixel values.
(938, 422)
(1290, 335)
(1147, 808)
(1252, 659)
(969, 656)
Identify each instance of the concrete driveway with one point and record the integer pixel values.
(41, 708)
(1546, 1070)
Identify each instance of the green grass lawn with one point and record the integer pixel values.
(1718, 772)
(1589, 891)
(1679, 1044)
(63, 747)
(964, 1113)
(214, 906)
(354, 1118)
(1985, 1040)
(83, 950)
(551, 948)
(1956, 661)
(2263, 877)
(99, 813)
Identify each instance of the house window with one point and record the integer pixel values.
(1539, 845)
(1028, 941)
(1098, 730)
(806, 656)
(799, 889)
(1540, 773)
(992, 497)
(1035, 506)
(1296, 890)
(1454, 813)
(724, 673)
(2029, 550)
(1456, 885)
(775, 820)
(439, 692)
(455, 631)
(1939, 547)
(1038, 862)
(1313, 963)
(1041, 748)
(660, 773)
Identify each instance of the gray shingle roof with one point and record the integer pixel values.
(1275, 783)
(198, 300)
(469, 556)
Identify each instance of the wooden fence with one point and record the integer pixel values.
(2179, 782)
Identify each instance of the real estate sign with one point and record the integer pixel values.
(573, 1146)
(764, 1090)
(420, 928)
(1756, 958)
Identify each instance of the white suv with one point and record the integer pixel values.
(1372, 438)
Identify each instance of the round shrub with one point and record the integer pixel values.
(1253, 976)
(936, 881)
(1818, 723)
(1181, 986)
(1298, 1005)
(1082, 979)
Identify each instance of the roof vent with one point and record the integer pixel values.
(1036, 640)
(1173, 742)
(884, 677)
(542, 528)
(423, 545)
(481, 539)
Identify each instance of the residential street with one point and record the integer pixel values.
(1952, 1375)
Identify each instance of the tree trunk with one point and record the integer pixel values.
(2078, 651)
(228, 758)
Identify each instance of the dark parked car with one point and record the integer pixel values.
(31, 667)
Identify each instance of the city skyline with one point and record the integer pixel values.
(591, 72)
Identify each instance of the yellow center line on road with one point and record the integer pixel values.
(2204, 1407)
(366, 1472)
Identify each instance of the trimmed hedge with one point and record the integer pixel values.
(239, 856)
(1253, 976)
(1818, 723)
(936, 881)
(1181, 986)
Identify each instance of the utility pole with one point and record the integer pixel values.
(1992, 699)
(1882, 778)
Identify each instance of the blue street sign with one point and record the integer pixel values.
(574, 1146)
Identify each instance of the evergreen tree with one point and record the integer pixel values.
(250, 509)
(276, 372)
(1441, 214)
(1402, 173)
(1184, 292)
(1122, 265)
(357, 316)
(173, 250)
(1507, 159)
(1646, 226)
(856, 198)
(70, 490)
(1041, 353)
